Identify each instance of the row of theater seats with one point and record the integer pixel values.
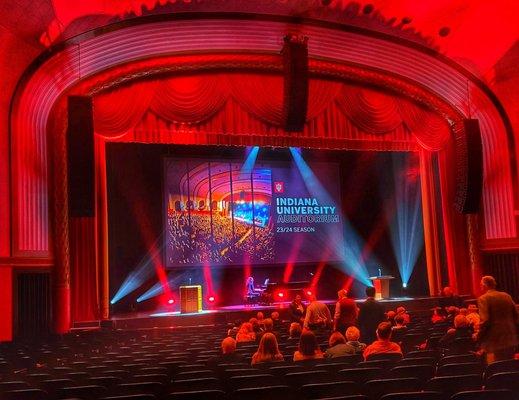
(171, 364)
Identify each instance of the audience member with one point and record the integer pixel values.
(260, 317)
(245, 334)
(473, 317)
(390, 317)
(383, 344)
(400, 328)
(228, 355)
(317, 315)
(276, 320)
(337, 346)
(268, 327)
(308, 347)
(352, 337)
(499, 317)
(256, 326)
(461, 329)
(268, 350)
(371, 314)
(346, 312)
(449, 299)
(297, 310)
(438, 315)
(403, 312)
(295, 331)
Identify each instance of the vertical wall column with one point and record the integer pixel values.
(6, 303)
(432, 250)
(476, 261)
(61, 276)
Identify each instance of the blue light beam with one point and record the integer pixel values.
(407, 224)
(142, 272)
(352, 244)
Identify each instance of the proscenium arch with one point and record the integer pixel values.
(129, 42)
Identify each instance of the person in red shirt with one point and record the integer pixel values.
(384, 343)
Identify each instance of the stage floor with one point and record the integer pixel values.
(169, 319)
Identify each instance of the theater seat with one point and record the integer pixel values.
(502, 366)
(198, 395)
(448, 385)
(414, 396)
(486, 395)
(379, 387)
(131, 397)
(422, 372)
(470, 368)
(331, 389)
(25, 394)
(88, 392)
(359, 375)
(266, 392)
(504, 380)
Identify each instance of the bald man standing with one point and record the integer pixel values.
(498, 321)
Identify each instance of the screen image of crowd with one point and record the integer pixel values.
(191, 242)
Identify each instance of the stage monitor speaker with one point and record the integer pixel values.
(469, 168)
(80, 150)
(295, 85)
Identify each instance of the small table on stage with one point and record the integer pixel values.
(381, 284)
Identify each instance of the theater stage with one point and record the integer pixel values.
(169, 319)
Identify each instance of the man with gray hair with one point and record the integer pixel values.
(498, 321)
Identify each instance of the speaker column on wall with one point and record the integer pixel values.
(295, 89)
(469, 168)
(80, 150)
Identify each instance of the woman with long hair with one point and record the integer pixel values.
(308, 347)
(268, 350)
(246, 333)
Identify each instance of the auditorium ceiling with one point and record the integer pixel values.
(480, 35)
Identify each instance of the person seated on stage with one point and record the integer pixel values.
(383, 344)
(337, 346)
(297, 310)
(276, 320)
(462, 329)
(308, 347)
(317, 315)
(353, 339)
(228, 355)
(268, 350)
(402, 311)
(245, 334)
(295, 331)
(346, 312)
(449, 299)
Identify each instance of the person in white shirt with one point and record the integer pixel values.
(317, 315)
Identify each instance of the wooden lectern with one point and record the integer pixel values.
(190, 299)
(381, 284)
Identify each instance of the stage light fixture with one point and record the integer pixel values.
(211, 299)
(309, 292)
(404, 285)
(171, 301)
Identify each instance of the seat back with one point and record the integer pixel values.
(378, 387)
(485, 395)
(504, 380)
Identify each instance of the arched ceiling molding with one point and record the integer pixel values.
(91, 54)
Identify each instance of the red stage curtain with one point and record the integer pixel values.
(118, 111)
(190, 99)
(371, 111)
(172, 110)
(430, 130)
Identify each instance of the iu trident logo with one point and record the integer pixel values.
(279, 187)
